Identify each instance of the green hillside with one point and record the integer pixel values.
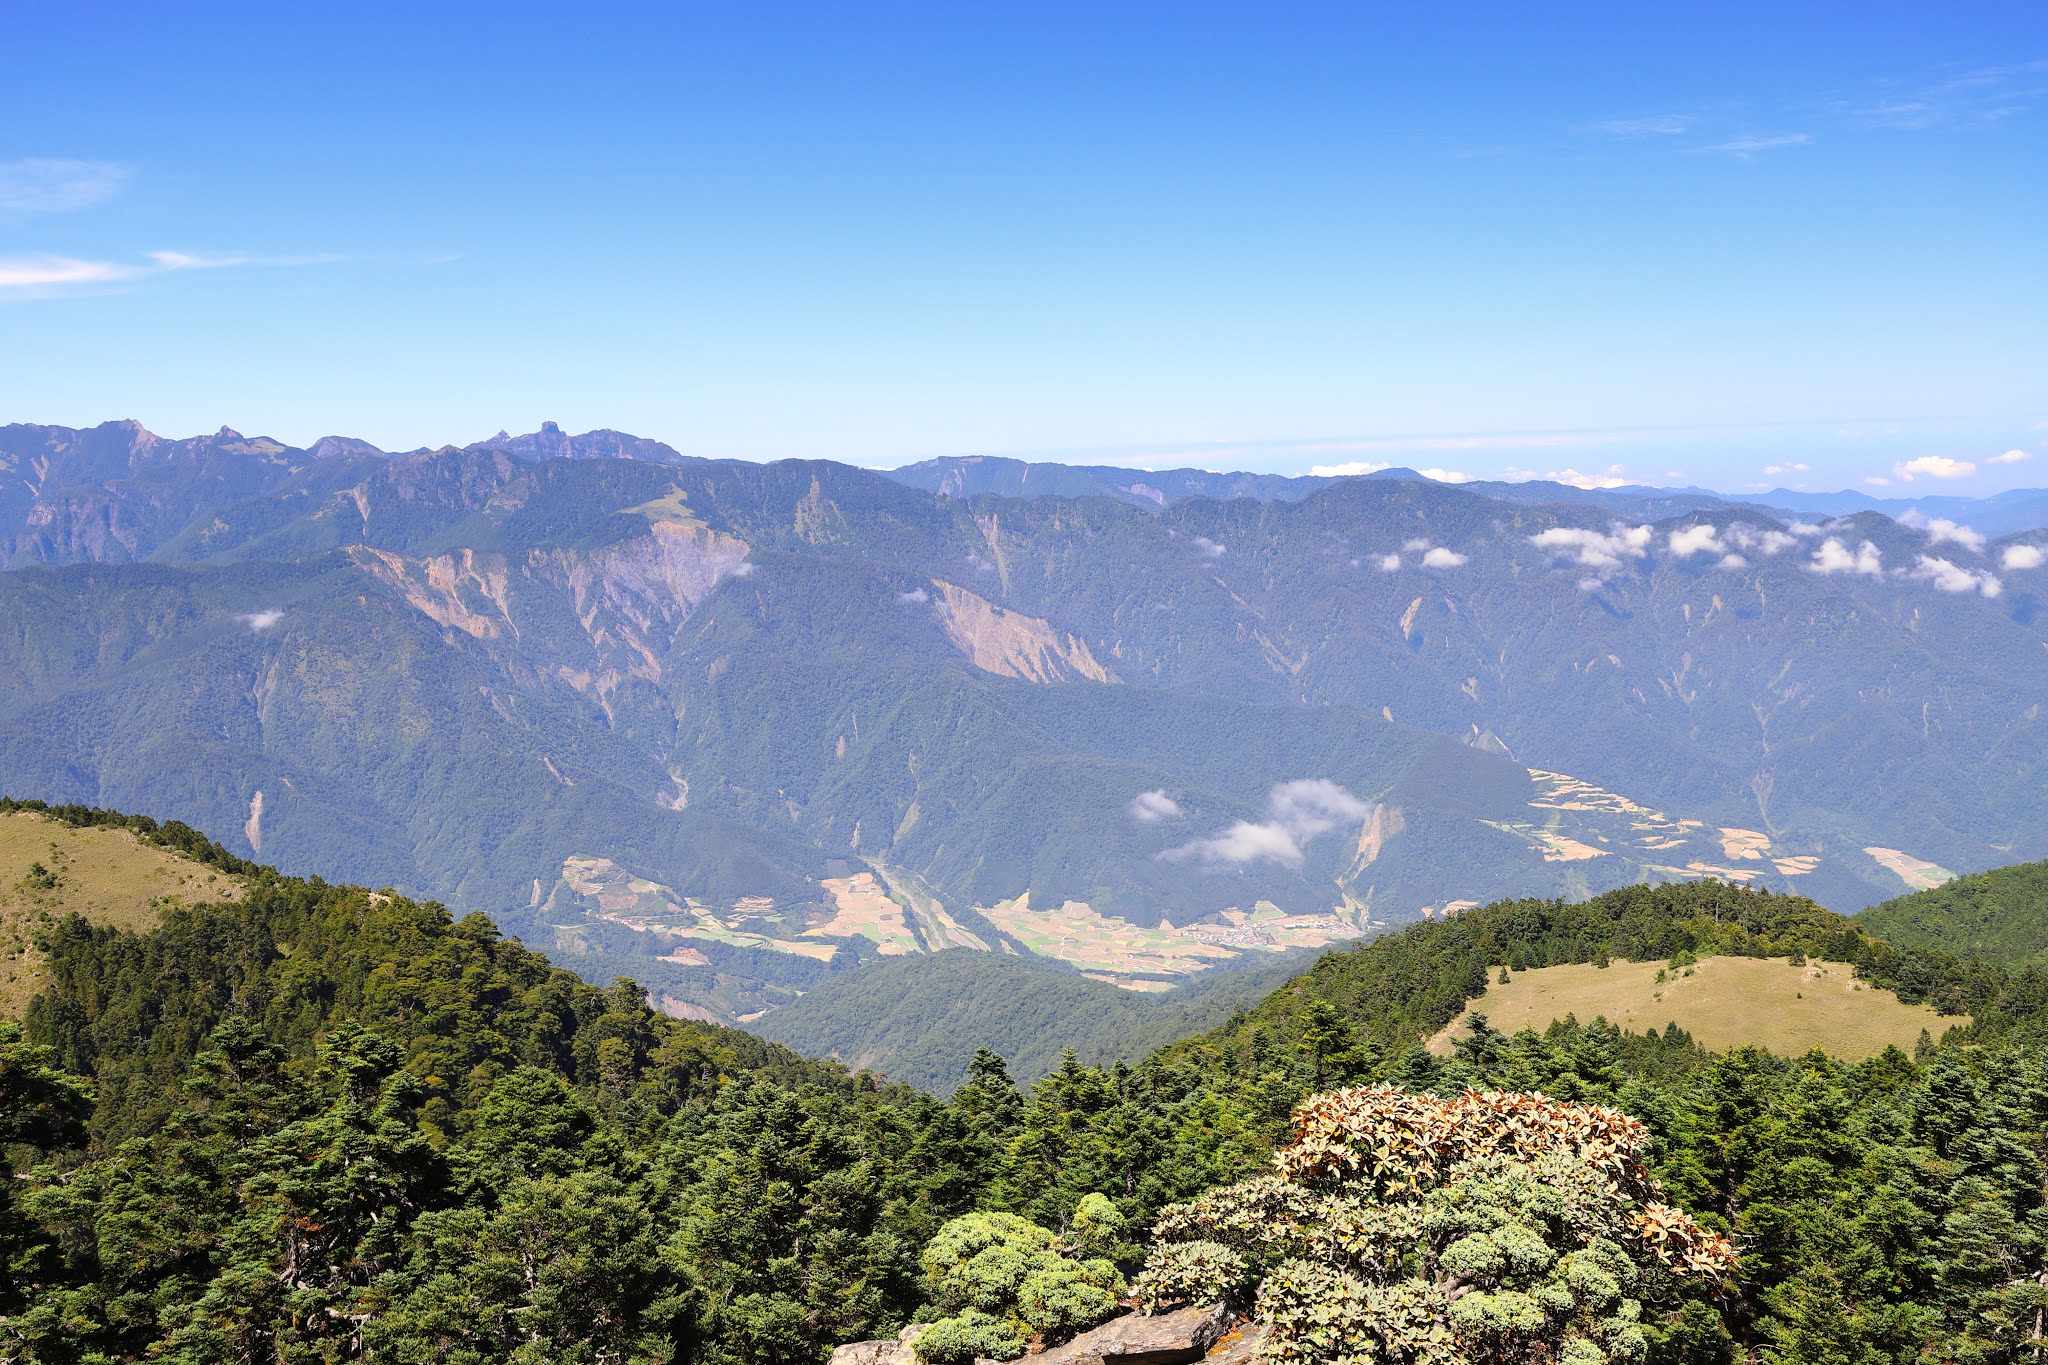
(2000, 915)
(921, 1020)
(320, 1122)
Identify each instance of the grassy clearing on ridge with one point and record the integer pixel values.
(1725, 1002)
(106, 875)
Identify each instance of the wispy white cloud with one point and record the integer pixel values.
(1149, 808)
(1934, 467)
(1751, 144)
(1952, 577)
(1976, 96)
(1785, 469)
(1877, 480)
(1437, 475)
(2023, 557)
(31, 275)
(2010, 457)
(1388, 563)
(1656, 125)
(916, 597)
(260, 621)
(42, 272)
(52, 185)
(1835, 557)
(1208, 547)
(1298, 811)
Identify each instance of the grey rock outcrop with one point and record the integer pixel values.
(1181, 1337)
(887, 1351)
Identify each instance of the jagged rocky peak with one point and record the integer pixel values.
(552, 443)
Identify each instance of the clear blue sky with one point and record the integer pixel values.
(1692, 241)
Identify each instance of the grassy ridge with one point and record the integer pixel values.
(1723, 1002)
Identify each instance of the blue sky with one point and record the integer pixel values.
(1696, 243)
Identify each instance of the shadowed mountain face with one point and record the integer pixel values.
(729, 728)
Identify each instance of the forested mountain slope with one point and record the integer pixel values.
(920, 1020)
(731, 728)
(2000, 915)
(337, 1124)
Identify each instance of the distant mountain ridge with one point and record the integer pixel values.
(733, 728)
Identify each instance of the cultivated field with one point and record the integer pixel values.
(1724, 1002)
(102, 874)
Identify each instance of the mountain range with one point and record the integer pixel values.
(733, 729)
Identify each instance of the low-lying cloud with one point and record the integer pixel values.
(1149, 808)
(1437, 557)
(1940, 529)
(1952, 577)
(1591, 549)
(1835, 557)
(2023, 557)
(1297, 811)
(260, 621)
(1729, 543)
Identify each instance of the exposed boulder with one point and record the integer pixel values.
(1181, 1337)
(886, 1351)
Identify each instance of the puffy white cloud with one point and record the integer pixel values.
(1298, 811)
(1440, 558)
(1349, 469)
(2010, 457)
(2023, 557)
(1595, 549)
(1733, 561)
(1572, 477)
(261, 620)
(916, 596)
(1149, 808)
(1941, 529)
(1934, 467)
(1835, 557)
(1950, 577)
(1445, 475)
(1208, 547)
(1803, 528)
(1388, 563)
(1696, 540)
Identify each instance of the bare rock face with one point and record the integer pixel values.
(1239, 1346)
(1181, 1337)
(887, 1351)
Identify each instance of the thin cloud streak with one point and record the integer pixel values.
(52, 185)
(29, 276)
